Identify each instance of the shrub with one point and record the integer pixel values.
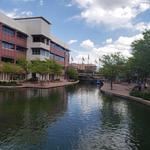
(140, 94)
(11, 83)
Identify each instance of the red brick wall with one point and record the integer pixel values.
(58, 52)
(21, 42)
(0, 39)
(61, 53)
(14, 54)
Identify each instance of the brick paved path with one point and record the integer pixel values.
(122, 90)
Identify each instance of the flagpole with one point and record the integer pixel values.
(88, 59)
(99, 62)
(82, 61)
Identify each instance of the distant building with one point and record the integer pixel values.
(30, 38)
(84, 67)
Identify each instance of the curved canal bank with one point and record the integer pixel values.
(123, 91)
(43, 85)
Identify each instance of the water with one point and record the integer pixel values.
(73, 118)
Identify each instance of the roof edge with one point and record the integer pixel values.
(40, 17)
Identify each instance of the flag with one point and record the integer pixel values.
(71, 58)
(95, 61)
(99, 59)
(88, 57)
(83, 59)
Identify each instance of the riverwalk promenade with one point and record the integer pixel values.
(123, 90)
(43, 85)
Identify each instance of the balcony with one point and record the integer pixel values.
(39, 45)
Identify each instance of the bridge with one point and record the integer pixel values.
(89, 77)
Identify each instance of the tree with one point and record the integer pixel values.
(141, 55)
(1, 67)
(12, 69)
(55, 69)
(39, 67)
(112, 66)
(128, 71)
(72, 73)
(24, 64)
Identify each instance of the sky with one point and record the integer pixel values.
(91, 27)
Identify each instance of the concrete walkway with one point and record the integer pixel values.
(43, 85)
(122, 90)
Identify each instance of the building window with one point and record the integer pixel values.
(38, 38)
(42, 52)
(5, 59)
(35, 51)
(22, 49)
(47, 41)
(56, 57)
(6, 45)
(21, 35)
(8, 31)
(45, 53)
(56, 46)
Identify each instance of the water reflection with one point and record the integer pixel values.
(72, 118)
(25, 115)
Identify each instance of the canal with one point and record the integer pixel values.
(71, 118)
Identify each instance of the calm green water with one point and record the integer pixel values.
(72, 118)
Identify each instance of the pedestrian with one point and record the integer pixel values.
(101, 84)
(139, 86)
(145, 85)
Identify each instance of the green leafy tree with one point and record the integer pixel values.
(39, 67)
(129, 70)
(72, 73)
(141, 55)
(112, 66)
(12, 69)
(24, 64)
(1, 67)
(55, 69)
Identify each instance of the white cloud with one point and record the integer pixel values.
(15, 13)
(88, 44)
(109, 41)
(112, 13)
(142, 26)
(72, 42)
(122, 45)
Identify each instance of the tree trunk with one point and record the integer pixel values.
(111, 84)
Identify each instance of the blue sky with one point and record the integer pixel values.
(90, 27)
